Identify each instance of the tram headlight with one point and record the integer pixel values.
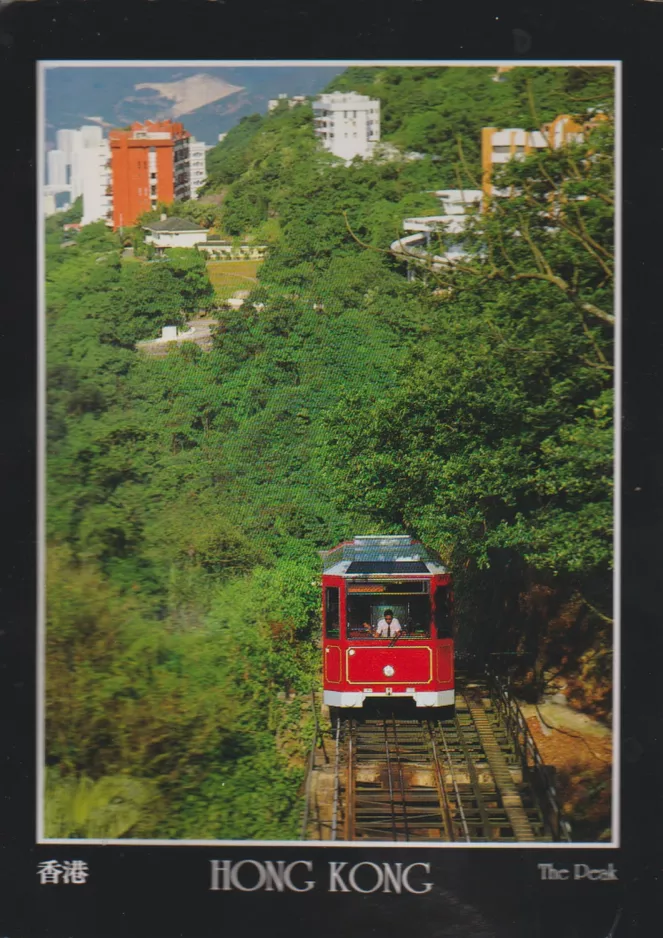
(388, 671)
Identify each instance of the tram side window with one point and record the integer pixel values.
(332, 612)
(443, 622)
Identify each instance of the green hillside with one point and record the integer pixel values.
(429, 110)
(188, 496)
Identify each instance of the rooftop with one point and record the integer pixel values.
(173, 224)
(381, 554)
(351, 98)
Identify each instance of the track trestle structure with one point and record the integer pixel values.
(464, 779)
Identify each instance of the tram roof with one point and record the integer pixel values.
(392, 555)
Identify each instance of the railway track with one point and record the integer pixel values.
(421, 779)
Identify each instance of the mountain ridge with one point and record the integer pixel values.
(190, 94)
(200, 96)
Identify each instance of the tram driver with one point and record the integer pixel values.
(387, 626)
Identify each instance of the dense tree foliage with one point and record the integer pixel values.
(188, 495)
(427, 109)
(228, 160)
(495, 442)
(185, 513)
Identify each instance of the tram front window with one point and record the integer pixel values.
(403, 612)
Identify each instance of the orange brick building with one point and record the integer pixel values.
(149, 164)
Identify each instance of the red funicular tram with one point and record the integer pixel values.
(387, 625)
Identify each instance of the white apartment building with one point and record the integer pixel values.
(292, 102)
(92, 135)
(49, 204)
(68, 141)
(197, 167)
(56, 168)
(73, 144)
(96, 183)
(181, 168)
(76, 173)
(56, 199)
(347, 124)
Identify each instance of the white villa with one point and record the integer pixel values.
(174, 233)
(458, 204)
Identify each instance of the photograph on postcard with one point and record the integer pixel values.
(329, 366)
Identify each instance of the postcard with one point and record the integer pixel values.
(329, 553)
(329, 454)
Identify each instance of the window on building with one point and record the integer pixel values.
(443, 622)
(332, 612)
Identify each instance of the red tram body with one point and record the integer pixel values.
(364, 655)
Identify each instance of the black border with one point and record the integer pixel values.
(165, 891)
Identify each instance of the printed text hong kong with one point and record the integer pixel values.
(281, 876)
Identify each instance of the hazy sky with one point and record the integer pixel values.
(192, 93)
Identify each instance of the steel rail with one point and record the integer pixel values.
(337, 760)
(401, 780)
(391, 785)
(309, 771)
(452, 802)
(307, 791)
(516, 726)
(350, 786)
(474, 781)
(466, 829)
(445, 810)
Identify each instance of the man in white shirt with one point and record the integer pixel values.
(387, 627)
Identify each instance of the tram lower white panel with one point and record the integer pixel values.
(336, 698)
(439, 698)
